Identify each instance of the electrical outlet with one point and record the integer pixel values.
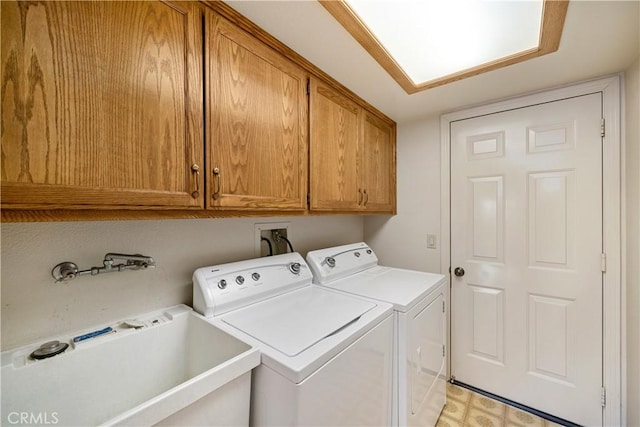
(432, 241)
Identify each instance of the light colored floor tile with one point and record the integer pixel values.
(458, 393)
(465, 408)
(517, 416)
(445, 421)
(478, 418)
(488, 405)
(455, 410)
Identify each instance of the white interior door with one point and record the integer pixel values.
(526, 227)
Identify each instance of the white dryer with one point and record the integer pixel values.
(326, 357)
(419, 385)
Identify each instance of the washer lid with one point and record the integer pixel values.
(294, 322)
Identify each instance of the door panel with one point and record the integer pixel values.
(526, 226)
(100, 104)
(257, 112)
(334, 152)
(379, 165)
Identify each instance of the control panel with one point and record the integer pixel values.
(341, 261)
(221, 288)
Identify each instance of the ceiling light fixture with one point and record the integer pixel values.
(427, 43)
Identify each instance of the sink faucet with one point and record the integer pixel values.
(133, 262)
(66, 271)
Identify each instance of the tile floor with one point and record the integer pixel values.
(469, 409)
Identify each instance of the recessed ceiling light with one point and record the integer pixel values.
(426, 43)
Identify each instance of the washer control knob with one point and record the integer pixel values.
(239, 280)
(357, 254)
(222, 284)
(331, 261)
(294, 267)
(369, 251)
(255, 276)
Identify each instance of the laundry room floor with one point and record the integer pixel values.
(469, 409)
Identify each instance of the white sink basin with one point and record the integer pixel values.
(169, 367)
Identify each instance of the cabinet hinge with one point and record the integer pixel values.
(603, 397)
(308, 86)
(308, 199)
(603, 265)
(602, 127)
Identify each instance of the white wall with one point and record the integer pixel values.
(401, 240)
(33, 307)
(632, 167)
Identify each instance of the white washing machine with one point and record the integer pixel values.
(326, 357)
(419, 385)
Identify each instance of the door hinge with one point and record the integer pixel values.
(603, 397)
(443, 351)
(443, 306)
(603, 265)
(602, 127)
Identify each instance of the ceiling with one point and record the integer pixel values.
(599, 38)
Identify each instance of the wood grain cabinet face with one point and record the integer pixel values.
(379, 169)
(257, 123)
(352, 155)
(334, 152)
(100, 104)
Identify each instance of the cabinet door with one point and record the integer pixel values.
(335, 132)
(101, 104)
(379, 165)
(257, 123)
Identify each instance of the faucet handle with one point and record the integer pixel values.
(64, 271)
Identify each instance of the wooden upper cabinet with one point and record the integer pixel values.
(256, 108)
(101, 104)
(379, 165)
(335, 132)
(352, 155)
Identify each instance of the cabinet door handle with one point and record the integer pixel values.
(366, 198)
(216, 188)
(360, 196)
(196, 170)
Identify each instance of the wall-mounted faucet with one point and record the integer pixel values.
(66, 271)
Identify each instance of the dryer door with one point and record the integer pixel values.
(426, 351)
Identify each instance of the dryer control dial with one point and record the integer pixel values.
(239, 280)
(255, 276)
(222, 284)
(331, 261)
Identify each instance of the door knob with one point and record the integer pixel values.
(459, 271)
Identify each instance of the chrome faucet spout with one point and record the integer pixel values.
(67, 270)
(137, 260)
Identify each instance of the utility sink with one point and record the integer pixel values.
(169, 367)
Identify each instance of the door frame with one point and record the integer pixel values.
(614, 318)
